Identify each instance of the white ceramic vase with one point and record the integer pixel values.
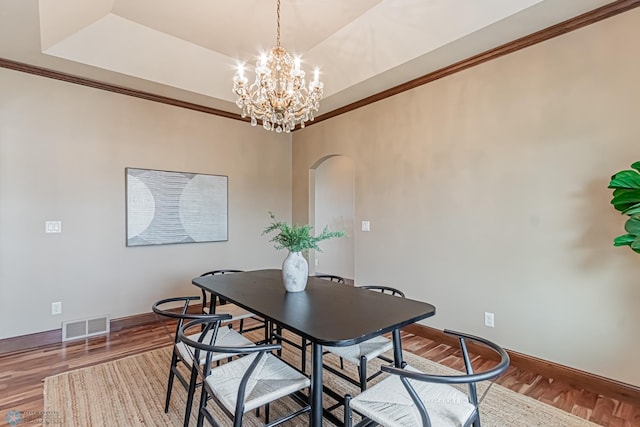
(295, 271)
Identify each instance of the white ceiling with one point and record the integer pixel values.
(189, 49)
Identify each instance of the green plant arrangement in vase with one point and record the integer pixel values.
(626, 199)
(296, 239)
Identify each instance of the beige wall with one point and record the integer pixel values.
(63, 152)
(487, 191)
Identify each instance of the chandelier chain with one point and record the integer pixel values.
(278, 37)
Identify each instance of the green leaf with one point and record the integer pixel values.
(619, 191)
(625, 179)
(297, 238)
(626, 199)
(623, 199)
(634, 209)
(624, 240)
(632, 226)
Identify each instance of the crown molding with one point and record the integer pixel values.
(596, 15)
(70, 78)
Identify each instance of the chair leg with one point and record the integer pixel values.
(304, 355)
(204, 302)
(237, 416)
(266, 413)
(348, 420)
(241, 326)
(174, 362)
(279, 332)
(476, 422)
(192, 390)
(267, 332)
(201, 405)
(362, 371)
(341, 363)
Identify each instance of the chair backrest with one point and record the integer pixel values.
(161, 308)
(471, 378)
(214, 272)
(331, 277)
(211, 304)
(384, 290)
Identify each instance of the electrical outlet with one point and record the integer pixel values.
(488, 319)
(56, 308)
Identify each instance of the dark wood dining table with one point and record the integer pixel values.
(325, 313)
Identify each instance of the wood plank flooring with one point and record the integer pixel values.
(22, 374)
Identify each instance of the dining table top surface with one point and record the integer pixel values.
(327, 313)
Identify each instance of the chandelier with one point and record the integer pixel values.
(278, 96)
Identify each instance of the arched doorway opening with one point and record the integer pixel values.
(332, 204)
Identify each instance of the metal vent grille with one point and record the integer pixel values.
(97, 326)
(83, 328)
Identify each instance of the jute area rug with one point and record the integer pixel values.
(131, 392)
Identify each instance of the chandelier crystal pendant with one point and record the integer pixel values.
(278, 96)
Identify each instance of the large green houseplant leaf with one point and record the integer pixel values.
(626, 199)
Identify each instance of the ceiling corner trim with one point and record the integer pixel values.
(69, 78)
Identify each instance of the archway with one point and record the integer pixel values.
(332, 204)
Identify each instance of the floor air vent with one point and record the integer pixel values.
(75, 329)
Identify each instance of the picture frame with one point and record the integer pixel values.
(167, 207)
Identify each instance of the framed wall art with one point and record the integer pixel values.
(175, 207)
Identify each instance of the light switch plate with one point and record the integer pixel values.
(56, 307)
(366, 226)
(489, 319)
(53, 226)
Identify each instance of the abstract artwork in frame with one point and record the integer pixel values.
(175, 207)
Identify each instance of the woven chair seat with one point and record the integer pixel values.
(389, 404)
(236, 312)
(271, 380)
(226, 337)
(370, 349)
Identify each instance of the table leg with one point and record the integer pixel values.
(316, 385)
(397, 348)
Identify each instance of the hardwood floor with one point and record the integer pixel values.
(22, 374)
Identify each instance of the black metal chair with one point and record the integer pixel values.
(237, 313)
(181, 354)
(245, 383)
(331, 277)
(360, 354)
(411, 398)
